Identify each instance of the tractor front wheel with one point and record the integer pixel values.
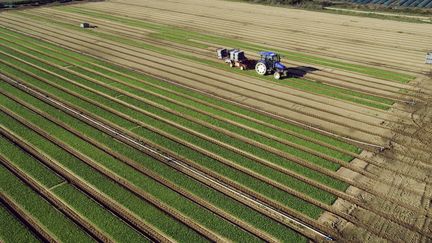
(231, 64)
(277, 75)
(261, 68)
(242, 67)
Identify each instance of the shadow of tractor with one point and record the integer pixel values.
(300, 72)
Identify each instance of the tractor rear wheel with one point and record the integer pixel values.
(277, 75)
(242, 67)
(261, 68)
(231, 64)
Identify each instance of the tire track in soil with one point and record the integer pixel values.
(399, 189)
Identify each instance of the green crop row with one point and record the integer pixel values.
(52, 220)
(147, 212)
(160, 87)
(134, 177)
(305, 85)
(12, 230)
(175, 34)
(103, 219)
(177, 148)
(229, 205)
(163, 194)
(239, 159)
(116, 228)
(28, 163)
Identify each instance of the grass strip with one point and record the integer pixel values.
(216, 198)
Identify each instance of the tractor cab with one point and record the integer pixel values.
(270, 56)
(270, 63)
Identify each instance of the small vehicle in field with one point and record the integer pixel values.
(85, 25)
(270, 63)
(235, 58)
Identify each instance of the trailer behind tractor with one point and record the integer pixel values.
(235, 58)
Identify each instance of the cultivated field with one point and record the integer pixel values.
(134, 131)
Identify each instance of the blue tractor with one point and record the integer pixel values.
(270, 63)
